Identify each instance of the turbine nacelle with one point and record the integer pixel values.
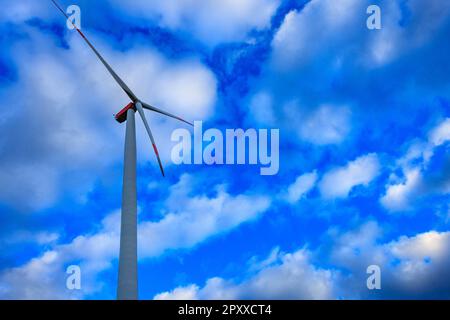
(139, 106)
(121, 116)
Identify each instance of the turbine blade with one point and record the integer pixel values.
(149, 107)
(122, 84)
(149, 131)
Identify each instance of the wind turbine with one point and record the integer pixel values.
(127, 288)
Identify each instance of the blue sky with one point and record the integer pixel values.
(364, 120)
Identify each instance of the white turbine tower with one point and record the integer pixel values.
(127, 288)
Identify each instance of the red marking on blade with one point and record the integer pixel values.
(156, 150)
(159, 160)
(81, 33)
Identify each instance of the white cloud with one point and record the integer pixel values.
(302, 185)
(323, 125)
(210, 21)
(337, 183)
(424, 264)
(342, 25)
(426, 18)
(296, 42)
(411, 267)
(355, 248)
(273, 258)
(194, 219)
(41, 238)
(433, 245)
(291, 277)
(421, 151)
(44, 277)
(399, 196)
(441, 133)
(181, 293)
(326, 125)
(19, 11)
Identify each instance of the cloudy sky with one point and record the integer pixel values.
(364, 120)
